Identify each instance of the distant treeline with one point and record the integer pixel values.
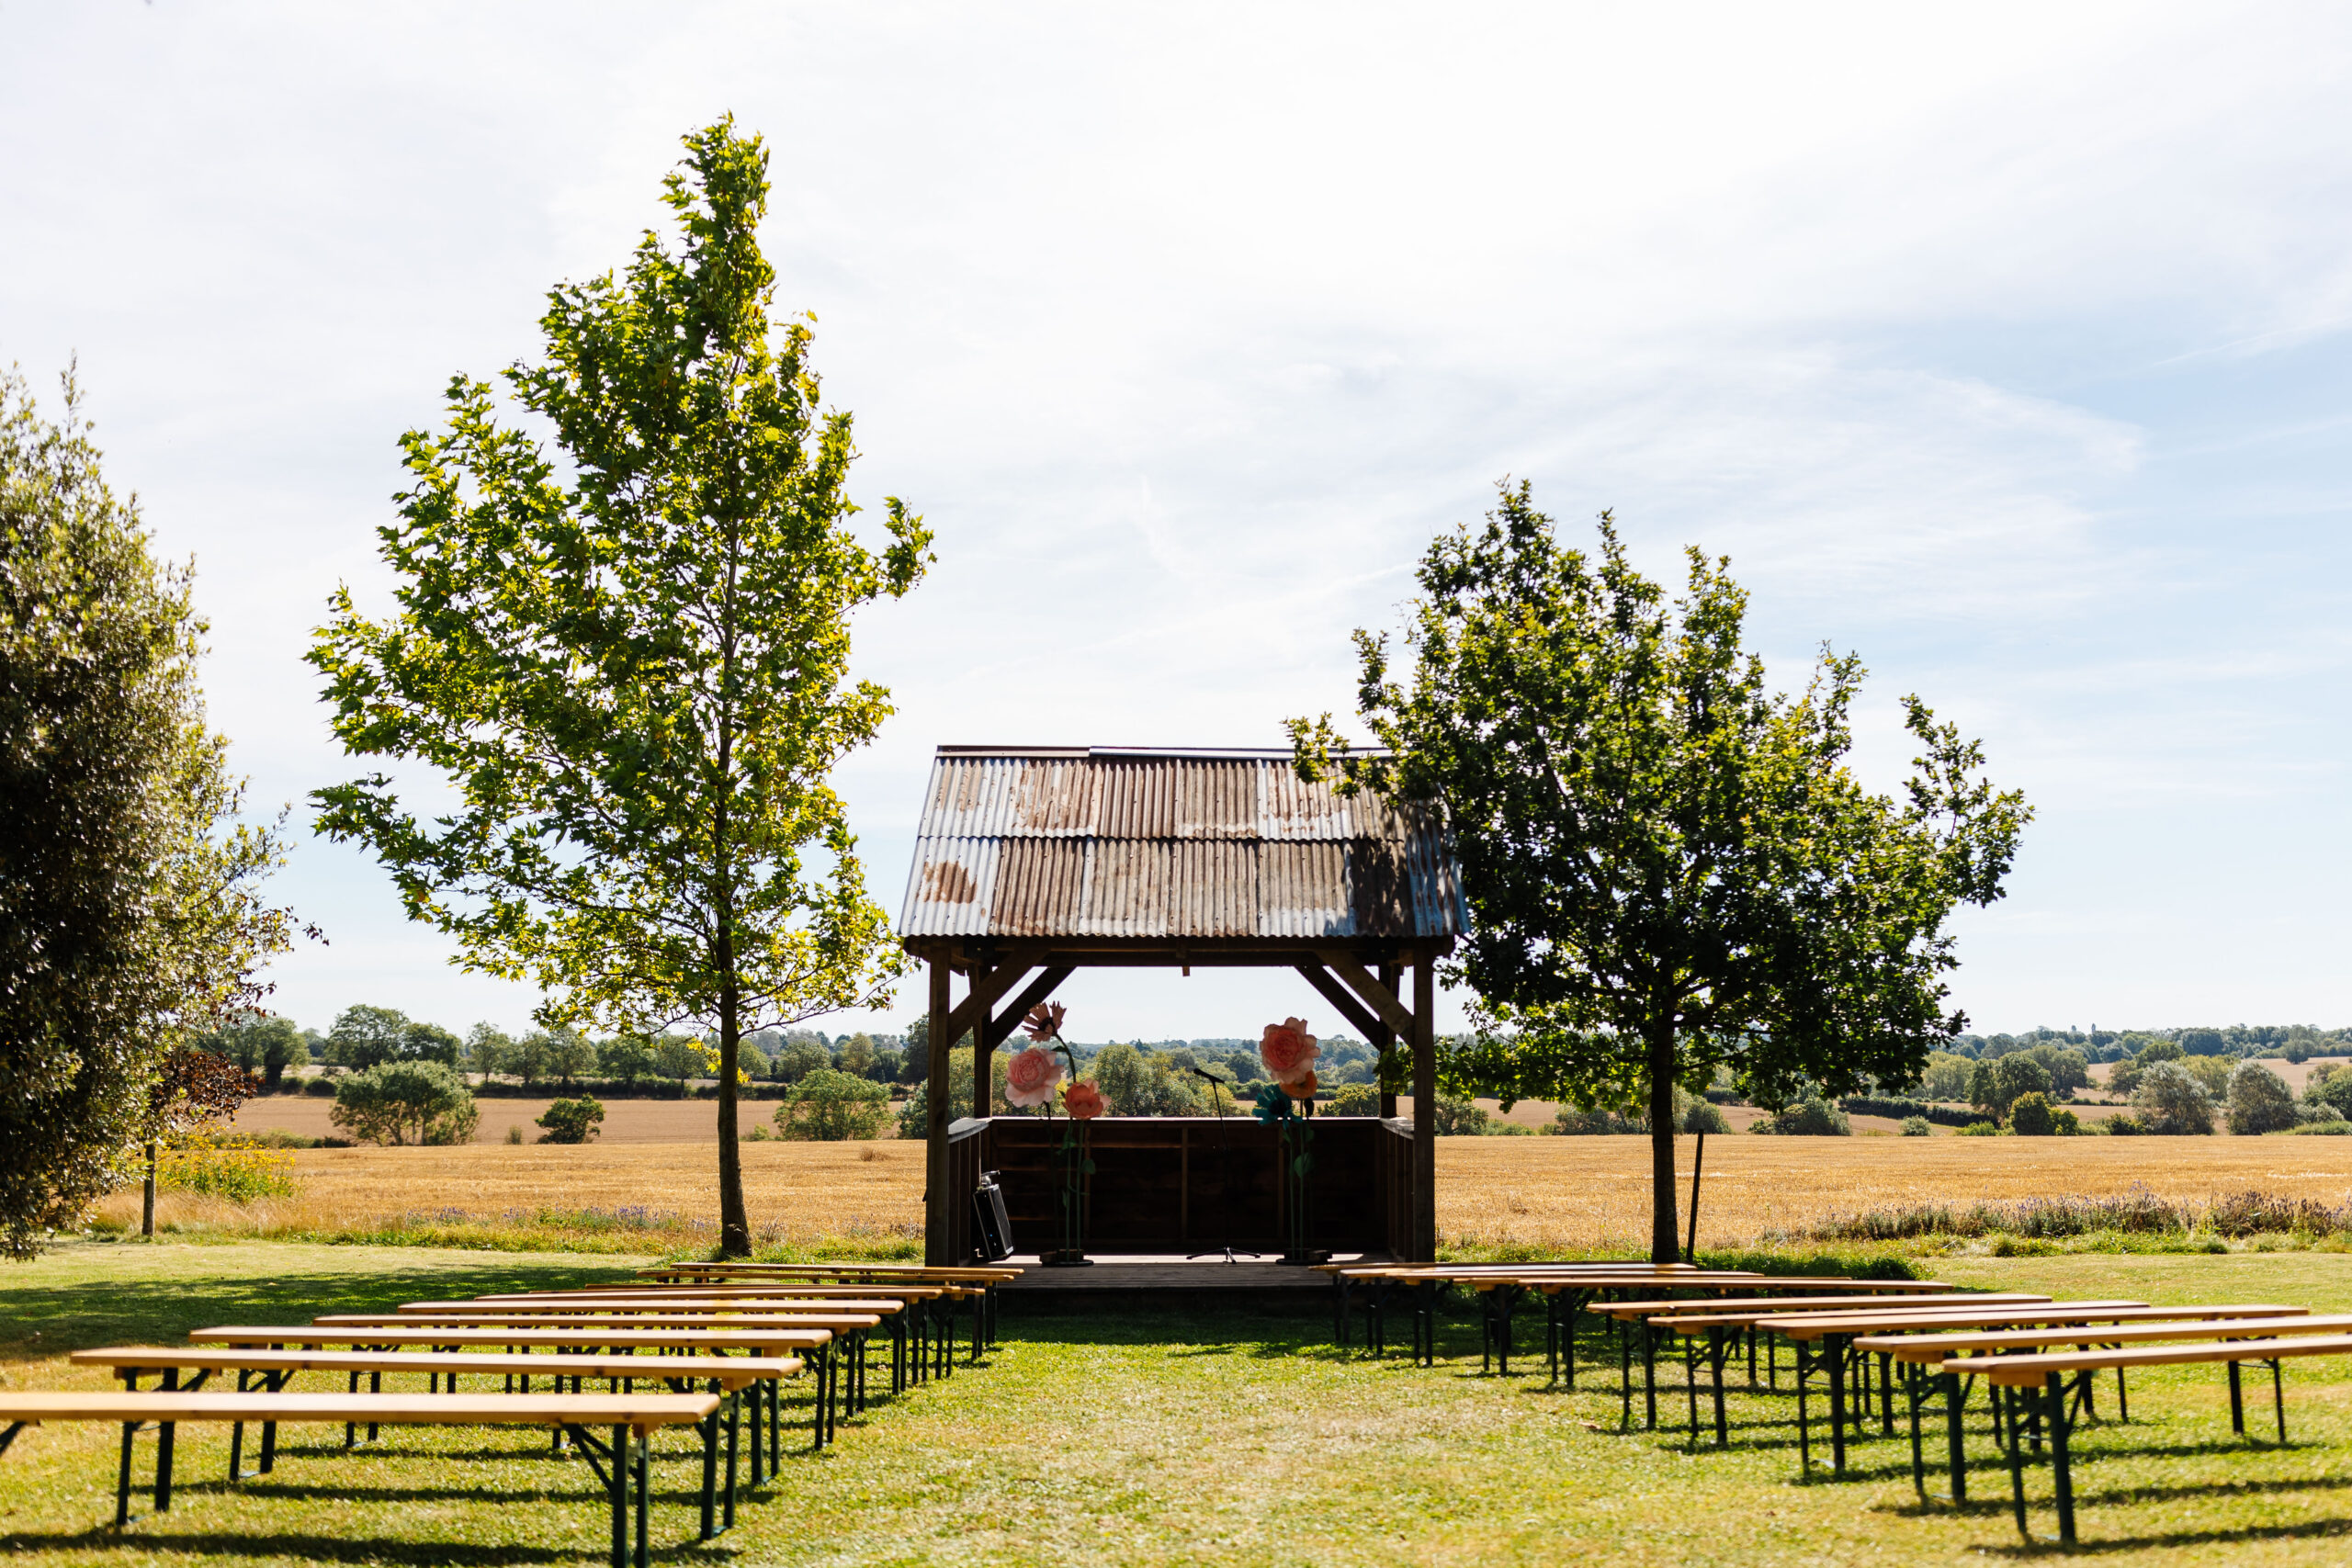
(668, 1064)
(2296, 1041)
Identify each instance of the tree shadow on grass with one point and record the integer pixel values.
(51, 1319)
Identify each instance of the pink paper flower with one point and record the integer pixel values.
(1287, 1049)
(1031, 1077)
(1045, 1022)
(1084, 1102)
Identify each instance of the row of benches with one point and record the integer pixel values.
(1849, 1338)
(684, 1346)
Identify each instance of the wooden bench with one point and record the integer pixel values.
(987, 1279)
(1565, 1297)
(1839, 1334)
(1423, 1282)
(814, 1344)
(923, 1334)
(919, 1346)
(1924, 1355)
(847, 1368)
(729, 1376)
(2033, 1389)
(1649, 1316)
(621, 1463)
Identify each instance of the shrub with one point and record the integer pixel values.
(572, 1120)
(2124, 1125)
(2174, 1101)
(1458, 1118)
(1356, 1099)
(1898, 1109)
(2259, 1101)
(224, 1165)
(1570, 1122)
(1812, 1117)
(1918, 1127)
(1980, 1130)
(2065, 1124)
(393, 1101)
(2029, 1116)
(828, 1105)
(322, 1087)
(514, 1131)
(1702, 1117)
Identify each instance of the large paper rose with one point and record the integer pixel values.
(1287, 1049)
(1031, 1077)
(1084, 1102)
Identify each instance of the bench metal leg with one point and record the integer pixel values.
(8, 1434)
(734, 1429)
(2237, 1402)
(1911, 1376)
(122, 1478)
(1956, 1434)
(2278, 1398)
(2061, 1472)
(1805, 1418)
(2005, 1398)
(708, 1427)
(1717, 1348)
(1833, 1352)
(617, 1480)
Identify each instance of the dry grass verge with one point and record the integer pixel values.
(1522, 1194)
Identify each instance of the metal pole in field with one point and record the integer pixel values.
(147, 1204)
(1698, 1159)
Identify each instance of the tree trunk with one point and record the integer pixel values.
(1666, 1245)
(147, 1208)
(734, 1220)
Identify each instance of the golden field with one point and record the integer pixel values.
(1556, 1192)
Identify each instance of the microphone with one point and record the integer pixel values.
(1223, 1078)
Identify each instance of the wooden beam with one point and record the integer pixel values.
(1384, 1041)
(1349, 1009)
(981, 1106)
(934, 1164)
(987, 987)
(1036, 991)
(1384, 1000)
(1423, 1035)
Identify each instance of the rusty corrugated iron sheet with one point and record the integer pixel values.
(1047, 842)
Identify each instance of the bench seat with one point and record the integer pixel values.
(621, 1461)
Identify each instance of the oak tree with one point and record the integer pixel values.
(1667, 867)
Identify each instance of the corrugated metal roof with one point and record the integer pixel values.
(1050, 841)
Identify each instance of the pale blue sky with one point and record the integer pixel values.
(2007, 348)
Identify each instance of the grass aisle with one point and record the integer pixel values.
(1143, 1440)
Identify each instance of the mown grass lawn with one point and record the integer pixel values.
(1166, 1440)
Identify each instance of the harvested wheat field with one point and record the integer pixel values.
(1558, 1193)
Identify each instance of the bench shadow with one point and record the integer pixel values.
(2314, 1529)
(320, 1549)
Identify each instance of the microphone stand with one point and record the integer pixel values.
(1224, 1173)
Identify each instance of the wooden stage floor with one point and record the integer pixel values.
(1158, 1279)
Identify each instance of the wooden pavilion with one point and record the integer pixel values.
(1032, 863)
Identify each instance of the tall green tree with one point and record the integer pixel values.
(130, 910)
(1667, 868)
(631, 664)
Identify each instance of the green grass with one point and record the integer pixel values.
(1149, 1440)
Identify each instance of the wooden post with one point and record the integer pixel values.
(1383, 1038)
(935, 1195)
(1424, 1109)
(983, 1048)
(147, 1205)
